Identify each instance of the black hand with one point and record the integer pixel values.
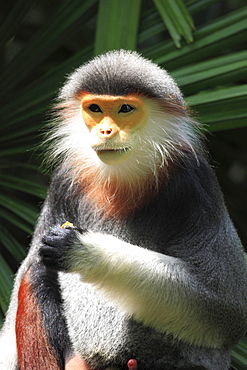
(56, 245)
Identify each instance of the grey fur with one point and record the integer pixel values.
(120, 73)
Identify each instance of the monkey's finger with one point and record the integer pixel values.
(52, 258)
(58, 236)
(52, 241)
(47, 252)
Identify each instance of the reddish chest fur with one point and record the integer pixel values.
(118, 198)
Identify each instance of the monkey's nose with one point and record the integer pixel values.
(105, 132)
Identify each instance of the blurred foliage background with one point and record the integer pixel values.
(202, 43)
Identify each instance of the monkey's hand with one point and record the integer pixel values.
(56, 246)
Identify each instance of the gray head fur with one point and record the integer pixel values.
(121, 73)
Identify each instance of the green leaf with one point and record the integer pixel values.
(177, 20)
(239, 355)
(151, 24)
(168, 21)
(20, 208)
(6, 278)
(117, 25)
(12, 245)
(181, 19)
(16, 221)
(13, 21)
(25, 186)
(208, 74)
(51, 35)
(221, 109)
(209, 39)
(33, 99)
(215, 96)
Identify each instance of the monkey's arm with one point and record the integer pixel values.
(156, 289)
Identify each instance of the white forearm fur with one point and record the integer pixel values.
(151, 287)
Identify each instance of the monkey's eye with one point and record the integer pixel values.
(94, 108)
(125, 108)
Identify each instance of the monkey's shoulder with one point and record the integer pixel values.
(191, 187)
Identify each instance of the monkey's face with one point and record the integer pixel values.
(112, 122)
(120, 119)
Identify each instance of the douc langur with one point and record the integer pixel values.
(134, 262)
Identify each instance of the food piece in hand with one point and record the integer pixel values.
(67, 224)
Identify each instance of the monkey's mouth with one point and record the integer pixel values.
(114, 151)
(112, 155)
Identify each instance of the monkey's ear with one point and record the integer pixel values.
(55, 247)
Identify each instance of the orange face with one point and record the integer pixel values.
(111, 120)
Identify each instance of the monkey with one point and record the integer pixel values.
(134, 262)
